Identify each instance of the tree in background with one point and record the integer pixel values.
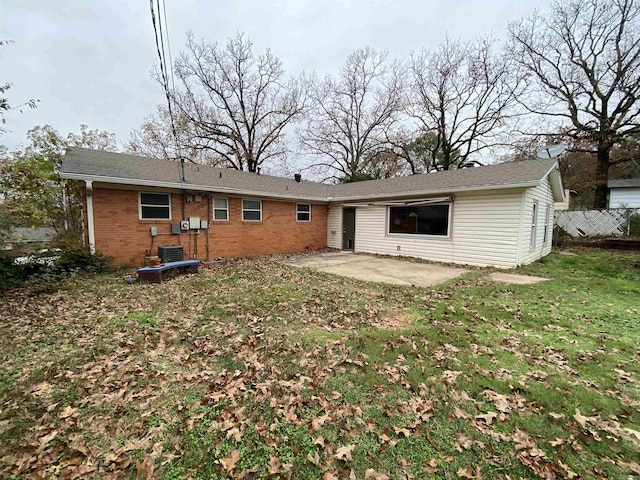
(237, 105)
(353, 114)
(462, 95)
(582, 65)
(33, 193)
(155, 139)
(4, 101)
(421, 152)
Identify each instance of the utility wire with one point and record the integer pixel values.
(164, 75)
(166, 28)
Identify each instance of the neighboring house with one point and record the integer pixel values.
(500, 215)
(24, 239)
(624, 193)
(568, 202)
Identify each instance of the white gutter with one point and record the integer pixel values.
(90, 225)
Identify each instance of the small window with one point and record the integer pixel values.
(420, 220)
(155, 206)
(303, 212)
(547, 213)
(251, 210)
(220, 209)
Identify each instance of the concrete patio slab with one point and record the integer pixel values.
(377, 269)
(516, 278)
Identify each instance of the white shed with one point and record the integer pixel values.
(624, 193)
(498, 215)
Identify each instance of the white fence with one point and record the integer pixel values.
(598, 223)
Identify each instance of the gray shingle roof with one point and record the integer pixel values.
(490, 176)
(104, 166)
(624, 183)
(136, 170)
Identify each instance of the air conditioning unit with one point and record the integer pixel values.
(171, 253)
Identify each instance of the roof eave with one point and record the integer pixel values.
(188, 186)
(439, 191)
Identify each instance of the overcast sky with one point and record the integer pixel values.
(89, 61)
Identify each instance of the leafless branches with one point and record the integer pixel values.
(583, 67)
(237, 104)
(463, 93)
(353, 113)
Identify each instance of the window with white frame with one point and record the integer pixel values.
(534, 223)
(251, 210)
(220, 209)
(155, 206)
(420, 219)
(303, 212)
(547, 214)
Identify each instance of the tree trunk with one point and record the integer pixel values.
(602, 176)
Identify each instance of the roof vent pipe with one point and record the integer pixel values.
(258, 170)
(297, 177)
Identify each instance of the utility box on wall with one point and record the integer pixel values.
(194, 223)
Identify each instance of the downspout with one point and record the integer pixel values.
(90, 226)
(208, 224)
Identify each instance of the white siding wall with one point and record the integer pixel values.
(484, 232)
(624, 198)
(486, 228)
(334, 226)
(529, 251)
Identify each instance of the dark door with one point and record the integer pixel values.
(348, 228)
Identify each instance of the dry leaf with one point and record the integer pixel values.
(372, 474)
(344, 453)
(487, 417)
(229, 463)
(469, 472)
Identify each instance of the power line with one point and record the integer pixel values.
(166, 28)
(163, 72)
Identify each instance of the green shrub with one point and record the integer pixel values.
(42, 276)
(75, 258)
(11, 275)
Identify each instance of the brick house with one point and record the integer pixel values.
(500, 215)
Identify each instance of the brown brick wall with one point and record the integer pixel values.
(121, 234)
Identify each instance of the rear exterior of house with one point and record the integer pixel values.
(499, 215)
(501, 228)
(124, 218)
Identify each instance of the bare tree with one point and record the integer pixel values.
(464, 94)
(583, 64)
(353, 113)
(237, 104)
(155, 139)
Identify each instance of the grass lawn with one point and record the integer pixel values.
(252, 369)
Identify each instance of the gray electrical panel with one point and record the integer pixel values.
(175, 228)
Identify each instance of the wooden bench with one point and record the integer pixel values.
(167, 270)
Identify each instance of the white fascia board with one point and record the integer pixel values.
(187, 186)
(359, 198)
(410, 202)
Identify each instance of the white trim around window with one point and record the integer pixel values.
(432, 220)
(303, 212)
(534, 225)
(154, 206)
(220, 209)
(251, 208)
